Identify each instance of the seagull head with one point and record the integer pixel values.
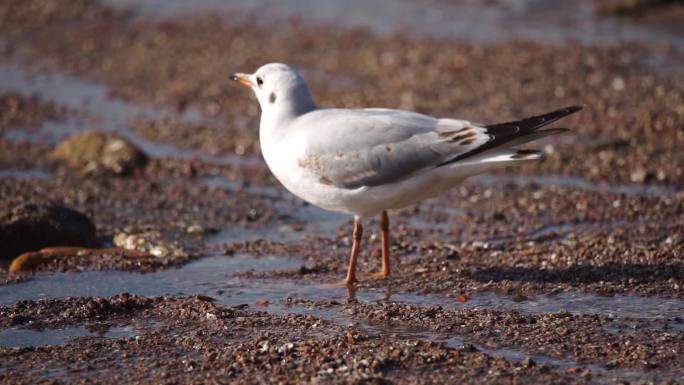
(279, 88)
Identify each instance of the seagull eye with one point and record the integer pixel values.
(260, 82)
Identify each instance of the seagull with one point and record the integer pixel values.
(364, 162)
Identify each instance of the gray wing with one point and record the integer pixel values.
(370, 147)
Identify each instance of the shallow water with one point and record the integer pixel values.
(215, 277)
(599, 374)
(299, 219)
(320, 223)
(33, 173)
(210, 276)
(99, 111)
(221, 182)
(80, 94)
(550, 21)
(20, 338)
(627, 306)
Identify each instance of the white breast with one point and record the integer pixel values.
(283, 152)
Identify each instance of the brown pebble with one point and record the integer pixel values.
(350, 338)
(462, 298)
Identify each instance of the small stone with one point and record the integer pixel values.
(195, 229)
(97, 153)
(159, 251)
(638, 176)
(528, 362)
(469, 348)
(286, 348)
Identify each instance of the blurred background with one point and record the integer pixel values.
(121, 135)
(482, 60)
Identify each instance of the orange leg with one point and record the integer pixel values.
(356, 245)
(384, 228)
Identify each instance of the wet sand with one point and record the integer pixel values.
(569, 271)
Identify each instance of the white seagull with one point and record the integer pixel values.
(364, 162)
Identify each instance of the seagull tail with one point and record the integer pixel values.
(536, 135)
(495, 159)
(533, 123)
(514, 133)
(510, 134)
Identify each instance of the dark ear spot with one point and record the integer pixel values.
(272, 97)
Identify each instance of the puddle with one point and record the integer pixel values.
(221, 182)
(633, 326)
(97, 110)
(305, 221)
(83, 95)
(167, 150)
(282, 232)
(621, 306)
(34, 173)
(209, 276)
(513, 355)
(397, 330)
(19, 338)
(600, 375)
(298, 220)
(555, 21)
(573, 182)
(566, 228)
(215, 277)
(217, 281)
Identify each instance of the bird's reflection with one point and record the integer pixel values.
(388, 293)
(351, 293)
(352, 289)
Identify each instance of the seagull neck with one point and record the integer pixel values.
(286, 112)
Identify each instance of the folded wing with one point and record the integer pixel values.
(370, 147)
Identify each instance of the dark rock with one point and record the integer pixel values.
(499, 216)
(97, 153)
(31, 227)
(469, 348)
(528, 362)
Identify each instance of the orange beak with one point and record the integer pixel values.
(242, 79)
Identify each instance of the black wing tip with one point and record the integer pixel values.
(536, 122)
